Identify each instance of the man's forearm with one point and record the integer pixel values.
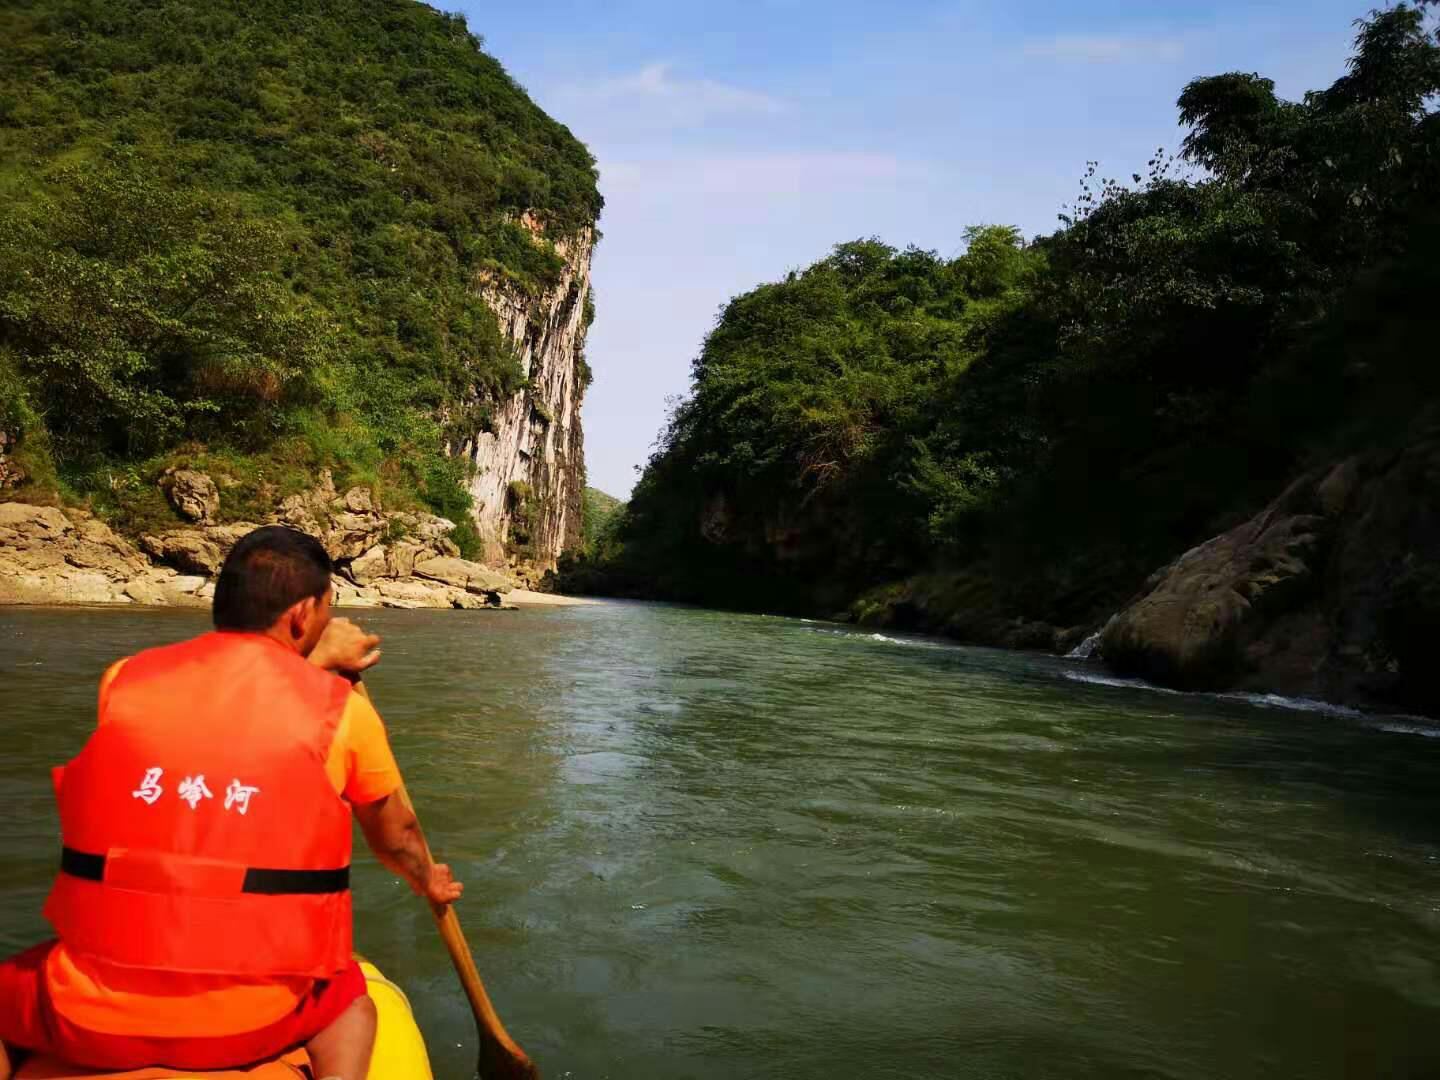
(405, 855)
(394, 836)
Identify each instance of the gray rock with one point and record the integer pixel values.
(414, 593)
(463, 574)
(192, 494)
(34, 522)
(50, 557)
(143, 591)
(350, 535)
(370, 566)
(400, 558)
(349, 596)
(1332, 591)
(187, 550)
(1198, 614)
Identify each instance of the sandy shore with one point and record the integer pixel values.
(526, 598)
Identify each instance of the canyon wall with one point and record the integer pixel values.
(529, 472)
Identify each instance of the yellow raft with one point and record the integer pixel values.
(399, 1049)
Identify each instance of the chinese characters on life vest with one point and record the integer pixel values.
(192, 790)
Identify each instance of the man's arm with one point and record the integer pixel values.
(345, 649)
(389, 824)
(393, 833)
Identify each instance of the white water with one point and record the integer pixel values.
(1398, 724)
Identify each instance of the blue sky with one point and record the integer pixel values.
(737, 141)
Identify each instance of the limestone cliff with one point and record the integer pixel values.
(529, 472)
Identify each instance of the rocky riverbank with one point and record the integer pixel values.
(50, 555)
(1331, 592)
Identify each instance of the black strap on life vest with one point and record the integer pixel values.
(258, 880)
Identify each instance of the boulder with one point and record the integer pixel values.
(348, 595)
(473, 601)
(189, 590)
(306, 509)
(463, 574)
(187, 550)
(358, 500)
(225, 536)
(1314, 596)
(34, 522)
(369, 566)
(46, 547)
(1198, 614)
(144, 591)
(96, 547)
(427, 529)
(413, 594)
(401, 557)
(350, 535)
(193, 494)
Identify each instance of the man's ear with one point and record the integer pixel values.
(299, 617)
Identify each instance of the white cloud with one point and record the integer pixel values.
(1106, 49)
(657, 94)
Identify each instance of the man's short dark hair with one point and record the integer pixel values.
(265, 573)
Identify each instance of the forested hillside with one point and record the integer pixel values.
(1005, 444)
(249, 238)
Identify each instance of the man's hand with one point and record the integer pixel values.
(442, 888)
(393, 834)
(345, 647)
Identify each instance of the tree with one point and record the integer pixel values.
(137, 314)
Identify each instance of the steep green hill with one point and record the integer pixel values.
(249, 234)
(600, 510)
(1004, 445)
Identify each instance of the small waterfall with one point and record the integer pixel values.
(1091, 645)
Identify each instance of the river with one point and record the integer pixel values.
(716, 845)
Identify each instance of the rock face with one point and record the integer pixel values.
(193, 494)
(1326, 593)
(537, 446)
(52, 556)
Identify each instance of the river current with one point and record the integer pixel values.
(712, 845)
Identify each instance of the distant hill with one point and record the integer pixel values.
(600, 510)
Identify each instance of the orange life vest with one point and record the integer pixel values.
(201, 833)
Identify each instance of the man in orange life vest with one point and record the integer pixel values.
(203, 904)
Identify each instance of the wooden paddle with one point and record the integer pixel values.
(500, 1057)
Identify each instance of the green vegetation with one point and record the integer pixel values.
(593, 565)
(601, 515)
(251, 235)
(1019, 435)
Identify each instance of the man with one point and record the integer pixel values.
(203, 905)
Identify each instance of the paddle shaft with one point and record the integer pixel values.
(500, 1056)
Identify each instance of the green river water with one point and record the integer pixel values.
(715, 845)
